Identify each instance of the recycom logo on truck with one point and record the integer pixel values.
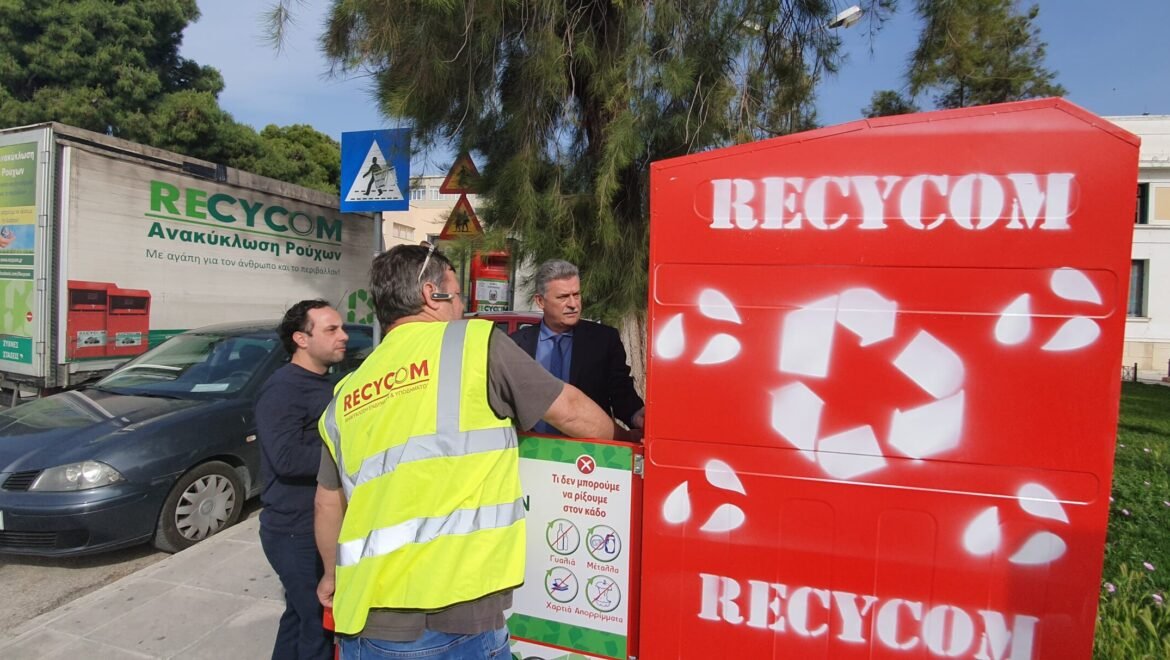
(193, 206)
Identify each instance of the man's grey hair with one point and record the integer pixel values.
(553, 269)
(396, 284)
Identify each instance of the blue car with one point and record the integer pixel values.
(162, 450)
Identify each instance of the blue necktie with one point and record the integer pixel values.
(556, 367)
(556, 361)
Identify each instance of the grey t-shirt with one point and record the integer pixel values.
(518, 389)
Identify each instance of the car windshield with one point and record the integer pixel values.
(193, 364)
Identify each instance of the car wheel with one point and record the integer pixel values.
(204, 501)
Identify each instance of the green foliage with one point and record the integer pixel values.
(975, 52)
(568, 103)
(1132, 623)
(886, 103)
(192, 123)
(298, 153)
(94, 63)
(113, 66)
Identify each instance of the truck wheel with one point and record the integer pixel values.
(206, 500)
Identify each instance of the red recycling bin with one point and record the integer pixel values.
(128, 321)
(490, 278)
(882, 387)
(85, 325)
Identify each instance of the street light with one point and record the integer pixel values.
(846, 18)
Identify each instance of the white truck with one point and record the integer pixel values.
(108, 247)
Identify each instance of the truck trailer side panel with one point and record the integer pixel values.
(137, 244)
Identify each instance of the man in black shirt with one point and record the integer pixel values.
(290, 403)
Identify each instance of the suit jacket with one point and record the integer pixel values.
(598, 367)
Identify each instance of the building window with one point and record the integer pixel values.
(404, 232)
(1142, 211)
(1137, 288)
(418, 194)
(434, 194)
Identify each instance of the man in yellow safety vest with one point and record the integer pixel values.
(419, 513)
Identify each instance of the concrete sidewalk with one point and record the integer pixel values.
(219, 599)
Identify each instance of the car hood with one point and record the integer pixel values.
(63, 427)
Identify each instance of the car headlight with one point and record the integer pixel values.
(77, 476)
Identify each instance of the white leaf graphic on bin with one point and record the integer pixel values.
(677, 507)
(1072, 284)
(720, 475)
(1077, 332)
(714, 305)
(1015, 321)
(725, 518)
(1040, 548)
(671, 341)
(1041, 502)
(983, 535)
(721, 348)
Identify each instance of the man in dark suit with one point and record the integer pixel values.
(585, 354)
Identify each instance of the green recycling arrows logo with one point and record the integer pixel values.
(360, 307)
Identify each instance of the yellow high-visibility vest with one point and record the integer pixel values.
(434, 513)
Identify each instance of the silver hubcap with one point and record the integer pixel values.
(205, 506)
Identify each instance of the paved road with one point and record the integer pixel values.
(33, 586)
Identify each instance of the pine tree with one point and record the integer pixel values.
(568, 102)
(975, 52)
(888, 102)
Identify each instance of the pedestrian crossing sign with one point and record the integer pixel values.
(375, 170)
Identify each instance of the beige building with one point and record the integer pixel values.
(1147, 327)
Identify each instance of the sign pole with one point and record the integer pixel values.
(379, 248)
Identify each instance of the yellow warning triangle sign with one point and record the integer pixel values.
(462, 179)
(462, 222)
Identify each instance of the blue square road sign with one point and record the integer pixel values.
(375, 170)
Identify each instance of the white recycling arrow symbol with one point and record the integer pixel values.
(806, 348)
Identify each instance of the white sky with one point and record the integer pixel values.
(1109, 55)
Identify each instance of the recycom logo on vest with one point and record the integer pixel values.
(394, 382)
(922, 201)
